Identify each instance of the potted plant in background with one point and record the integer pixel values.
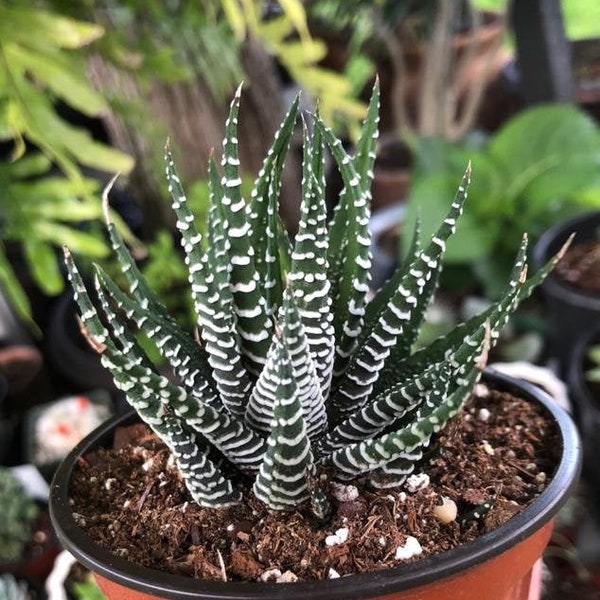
(583, 378)
(303, 410)
(12, 588)
(435, 59)
(27, 543)
(540, 168)
(572, 293)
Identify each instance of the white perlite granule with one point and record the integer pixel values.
(344, 493)
(339, 537)
(416, 482)
(411, 548)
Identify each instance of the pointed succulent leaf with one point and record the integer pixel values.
(273, 162)
(181, 351)
(271, 273)
(96, 333)
(262, 211)
(202, 477)
(261, 406)
(398, 323)
(357, 175)
(364, 157)
(253, 322)
(353, 286)
(387, 408)
(138, 286)
(308, 274)
(213, 301)
(372, 454)
(282, 478)
(497, 315)
(381, 299)
(395, 472)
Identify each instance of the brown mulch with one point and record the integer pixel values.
(580, 267)
(132, 501)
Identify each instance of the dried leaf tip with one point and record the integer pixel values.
(563, 249)
(105, 193)
(482, 359)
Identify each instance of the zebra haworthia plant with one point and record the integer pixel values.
(296, 372)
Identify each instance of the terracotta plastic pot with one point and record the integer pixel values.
(496, 566)
(570, 312)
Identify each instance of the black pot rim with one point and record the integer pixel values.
(377, 583)
(550, 242)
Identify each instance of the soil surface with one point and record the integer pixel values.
(131, 500)
(580, 267)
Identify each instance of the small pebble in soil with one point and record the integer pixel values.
(484, 415)
(447, 511)
(411, 548)
(482, 390)
(487, 448)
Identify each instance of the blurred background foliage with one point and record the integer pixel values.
(77, 78)
(102, 83)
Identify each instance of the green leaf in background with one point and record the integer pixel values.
(88, 591)
(471, 242)
(541, 166)
(549, 151)
(45, 198)
(581, 17)
(18, 23)
(43, 263)
(62, 73)
(15, 294)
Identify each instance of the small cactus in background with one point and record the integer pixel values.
(11, 589)
(18, 511)
(297, 372)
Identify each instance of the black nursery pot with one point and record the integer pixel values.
(586, 401)
(497, 565)
(570, 312)
(77, 365)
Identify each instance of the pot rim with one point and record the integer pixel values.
(550, 242)
(376, 583)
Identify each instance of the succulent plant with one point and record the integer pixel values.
(297, 373)
(18, 512)
(11, 589)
